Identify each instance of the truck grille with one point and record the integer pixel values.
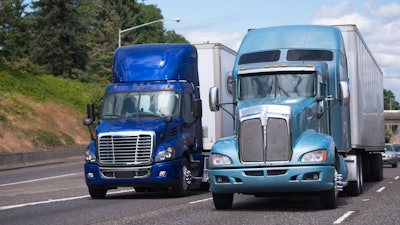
(268, 143)
(125, 148)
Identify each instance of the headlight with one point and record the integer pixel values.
(166, 154)
(218, 159)
(90, 157)
(314, 156)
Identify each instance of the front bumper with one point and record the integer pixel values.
(389, 160)
(161, 174)
(272, 179)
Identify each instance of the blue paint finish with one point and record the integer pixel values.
(313, 122)
(152, 62)
(137, 70)
(290, 181)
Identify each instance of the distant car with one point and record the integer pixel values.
(389, 156)
(397, 150)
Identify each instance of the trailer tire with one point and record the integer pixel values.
(377, 167)
(181, 189)
(97, 193)
(355, 188)
(367, 168)
(222, 200)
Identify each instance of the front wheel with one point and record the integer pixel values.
(222, 201)
(181, 189)
(329, 198)
(97, 193)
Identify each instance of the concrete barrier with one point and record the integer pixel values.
(46, 156)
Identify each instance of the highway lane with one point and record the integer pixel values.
(57, 194)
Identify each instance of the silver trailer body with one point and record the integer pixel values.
(215, 63)
(366, 92)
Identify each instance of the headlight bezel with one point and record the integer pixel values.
(90, 157)
(319, 155)
(165, 154)
(219, 160)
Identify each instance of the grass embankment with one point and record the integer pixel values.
(39, 111)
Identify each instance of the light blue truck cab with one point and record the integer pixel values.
(149, 132)
(292, 124)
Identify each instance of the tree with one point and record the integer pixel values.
(390, 102)
(15, 34)
(111, 15)
(59, 38)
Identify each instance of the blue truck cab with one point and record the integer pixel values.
(149, 132)
(292, 118)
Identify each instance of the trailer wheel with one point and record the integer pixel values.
(367, 168)
(355, 188)
(377, 167)
(329, 198)
(181, 189)
(222, 200)
(97, 193)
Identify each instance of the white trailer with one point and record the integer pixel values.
(215, 63)
(366, 109)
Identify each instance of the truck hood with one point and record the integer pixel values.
(295, 103)
(131, 124)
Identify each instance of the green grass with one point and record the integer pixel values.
(18, 86)
(70, 93)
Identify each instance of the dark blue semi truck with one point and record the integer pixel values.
(150, 133)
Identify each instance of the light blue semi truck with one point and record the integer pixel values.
(308, 116)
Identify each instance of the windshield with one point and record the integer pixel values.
(140, 104)
(388, 147)
(267, 85)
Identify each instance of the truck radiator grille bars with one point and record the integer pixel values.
(125, 148)
(264, 143)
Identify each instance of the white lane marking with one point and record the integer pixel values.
(54, 200)
(40, 179)
(202, 200)
(396, 178)
(342, 218)
(381, 189)
(365, 200)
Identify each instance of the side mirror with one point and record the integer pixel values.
(213, 98)
(197, 108)
(90, 115)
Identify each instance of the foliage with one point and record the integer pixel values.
(59, 43)
(75, 39)
(69, 92)
(14, 30)
(41, 137)
(390, 102)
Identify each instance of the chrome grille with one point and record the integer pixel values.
(126, 148)
(268, 143)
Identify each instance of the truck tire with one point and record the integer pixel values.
(329, 198)
(367, 168)
(181, 189)
(222, 201)
(97, 193)
(355, 188)
(377, 167)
